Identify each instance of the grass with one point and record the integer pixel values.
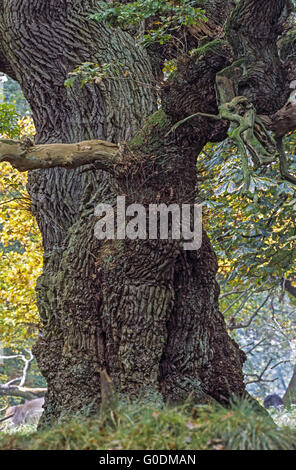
(138, 426)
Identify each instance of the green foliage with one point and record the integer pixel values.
(9, 120)
(148, 141)
(135, 426)
(20, 250)
(208, 46)
(170, 67)
(253, 234)
(14, 95)
(162, 16)
(89, 72)
(244, 428)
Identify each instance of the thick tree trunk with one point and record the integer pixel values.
(146, 311)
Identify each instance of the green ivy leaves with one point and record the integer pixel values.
(162, 17)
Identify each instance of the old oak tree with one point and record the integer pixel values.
(145, 311)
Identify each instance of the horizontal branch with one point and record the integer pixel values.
(26, 156)
(23, 392)
(283, 121)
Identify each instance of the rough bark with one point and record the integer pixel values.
(252, 31)
(186, 38)
(144, 311)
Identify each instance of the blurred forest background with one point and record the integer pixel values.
(20, 250)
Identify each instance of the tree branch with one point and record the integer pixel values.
(9, 389)
(27, 362)
(23, 392)
(26, 156)
(254, 346)
(237, 326)
(259, 377)
(26, 368)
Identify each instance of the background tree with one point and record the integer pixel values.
(23, 383)
(20, 243)
(20, 261)
(254, 238)
(145, 311)
(13, 95)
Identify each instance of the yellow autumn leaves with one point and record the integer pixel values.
(20, 255)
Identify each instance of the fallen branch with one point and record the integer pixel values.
(23, 392)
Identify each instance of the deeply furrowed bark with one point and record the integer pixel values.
(253, 29)
(146, 311)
